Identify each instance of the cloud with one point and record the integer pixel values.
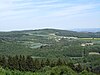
(45, 12)
(74, 10)
(71, 10)
(15, 8)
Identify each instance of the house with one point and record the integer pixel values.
(87, 44)
(94, 53)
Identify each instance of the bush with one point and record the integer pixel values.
(61, 70)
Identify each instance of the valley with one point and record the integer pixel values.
(52, 44)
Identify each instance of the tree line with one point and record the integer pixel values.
(27, 63)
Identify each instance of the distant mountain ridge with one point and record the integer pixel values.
(67, 33)
(87, 29)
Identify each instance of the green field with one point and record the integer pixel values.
(94, 40)
(89, 39)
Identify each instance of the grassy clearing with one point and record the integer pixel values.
(94, 40)
(89, 39)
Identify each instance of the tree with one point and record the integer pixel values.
(37, 64)
(42, 63)
(15, 62)
(10, 62)
(29, 63)
(3, 62)
(47, 63)
(78, 68)
(59, 62)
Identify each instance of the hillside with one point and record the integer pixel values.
(53, 44)
(49, 31)
(87, 30)
(44, 42)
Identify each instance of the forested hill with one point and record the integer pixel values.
(87, 29)
(52, 31)
(53, 44)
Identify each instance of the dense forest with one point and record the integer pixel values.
(26, 65)
(49, 52)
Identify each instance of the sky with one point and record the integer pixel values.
(57, 14)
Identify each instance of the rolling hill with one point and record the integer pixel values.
(52, 44)
(43, 42)
(87, 30)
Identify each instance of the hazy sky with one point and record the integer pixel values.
(61, 14)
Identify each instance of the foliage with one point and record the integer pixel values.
(45, 50)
